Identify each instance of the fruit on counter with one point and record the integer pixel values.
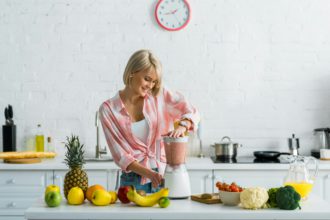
(76, 196)
(233, 187)
(90, 190)
(122, 194)
(114, 197)
(206, 196)
(272, 197)
(287, 198)
(53, 198)
(254, 198)
(101, 197)
(52, 187)
(164, 202)
(74, 159)
(146, 201)
(141, 192)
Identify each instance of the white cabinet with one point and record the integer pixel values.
(18, 190)
(201, 181)
(326, 186)
(113, 179)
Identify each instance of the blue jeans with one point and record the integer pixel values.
(131, 178)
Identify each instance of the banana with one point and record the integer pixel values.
(146, 201)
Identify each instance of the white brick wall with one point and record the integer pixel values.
(258, 70)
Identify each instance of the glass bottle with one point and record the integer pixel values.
(50, 146)
(40, 141)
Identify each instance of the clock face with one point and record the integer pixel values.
(172, 15)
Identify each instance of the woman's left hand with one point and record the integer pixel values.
(178, 132)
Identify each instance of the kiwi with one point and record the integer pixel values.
(206, 196)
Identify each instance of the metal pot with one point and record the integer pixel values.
(226, 149)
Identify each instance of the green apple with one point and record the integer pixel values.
(52, 188)
(164, 202)
(53, 198)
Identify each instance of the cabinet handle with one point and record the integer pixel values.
(11, 181)
(12, 205)
(56, 177)
(208, 176)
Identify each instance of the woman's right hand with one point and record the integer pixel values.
(156, 179)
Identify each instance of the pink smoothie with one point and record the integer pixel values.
(175, 150)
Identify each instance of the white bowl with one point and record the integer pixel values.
(229, 198)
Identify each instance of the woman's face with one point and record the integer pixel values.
(144, 81)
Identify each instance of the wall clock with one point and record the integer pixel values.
(172, 15)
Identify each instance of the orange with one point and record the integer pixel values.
(91, 190)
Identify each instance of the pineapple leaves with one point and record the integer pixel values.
(74, 156)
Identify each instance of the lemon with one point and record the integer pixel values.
(76, 196)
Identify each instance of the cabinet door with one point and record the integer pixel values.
(200, 181)
(327, 187)
(113, 180)
(249, 178)
(94, 177)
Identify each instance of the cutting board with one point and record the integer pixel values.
(215, 199)
(23, 160)
(324, 158)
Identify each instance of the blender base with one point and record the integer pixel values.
(178, 182)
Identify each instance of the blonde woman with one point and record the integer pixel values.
(135, 119)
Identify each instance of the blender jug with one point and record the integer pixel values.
(322, 141)
(299, 175)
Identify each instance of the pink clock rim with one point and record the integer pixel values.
(173, 29)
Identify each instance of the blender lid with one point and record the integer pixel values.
(173, 139)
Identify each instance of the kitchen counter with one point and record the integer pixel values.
(193, 163)
(314, 208)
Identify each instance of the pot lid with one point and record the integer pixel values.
(226, 140)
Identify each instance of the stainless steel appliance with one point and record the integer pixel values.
(226, 148)
(322, 141)
(294, 145)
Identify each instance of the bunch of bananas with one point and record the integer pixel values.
(148, 200)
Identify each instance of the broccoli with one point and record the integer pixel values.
(272, 197)
(287, 198)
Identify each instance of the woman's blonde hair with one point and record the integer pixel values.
(144, 60)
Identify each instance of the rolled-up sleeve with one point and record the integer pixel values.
(117, 144)
(179, 108)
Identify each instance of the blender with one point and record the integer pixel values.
(322, 141)
(176, 175)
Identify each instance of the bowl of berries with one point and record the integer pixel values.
(229, 193)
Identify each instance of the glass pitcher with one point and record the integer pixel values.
(299, 175)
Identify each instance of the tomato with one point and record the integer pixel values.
(234, 188)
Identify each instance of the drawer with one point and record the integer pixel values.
(22, 178)
(22, 181)
(13, 204)
(8, 217)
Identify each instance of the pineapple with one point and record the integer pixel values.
(74, 159)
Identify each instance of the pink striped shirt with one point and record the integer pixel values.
(160, 112)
